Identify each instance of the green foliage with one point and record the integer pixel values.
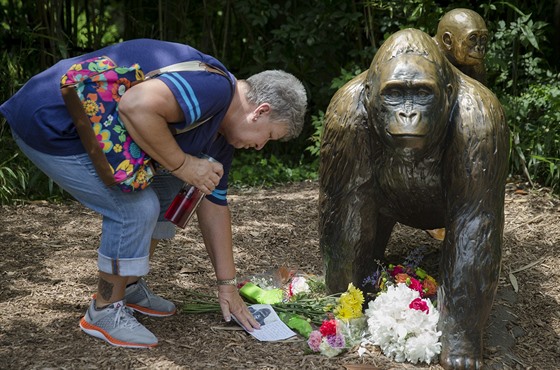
(324, 43)
(318, 123)
(19, 178)
(248, 170)
(529, 91)
(533, 119)
(11, 180)
(389, 16)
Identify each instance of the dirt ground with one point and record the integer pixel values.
(48, 273)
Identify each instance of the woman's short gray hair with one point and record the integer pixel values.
(286, 96)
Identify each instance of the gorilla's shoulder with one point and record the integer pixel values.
(346, 106)
(477, 105)
(476, 90)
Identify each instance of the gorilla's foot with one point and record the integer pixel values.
(460, 351)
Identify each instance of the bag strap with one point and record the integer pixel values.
(191, 65)
(86, 134)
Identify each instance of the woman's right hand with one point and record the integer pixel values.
(200, 172)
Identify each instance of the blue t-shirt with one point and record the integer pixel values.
(38, 115)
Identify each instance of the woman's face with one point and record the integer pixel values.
(254, 133)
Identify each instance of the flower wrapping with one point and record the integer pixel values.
(255, 294)
(335, 336)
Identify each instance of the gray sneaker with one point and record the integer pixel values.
(116, 325)
(140, 298)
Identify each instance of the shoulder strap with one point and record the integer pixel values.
(191, 65)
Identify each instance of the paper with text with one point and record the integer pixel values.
(272, 328)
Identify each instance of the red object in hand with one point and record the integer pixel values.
(184, 205)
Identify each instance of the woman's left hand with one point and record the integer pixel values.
(232, 304)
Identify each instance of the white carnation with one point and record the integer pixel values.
(299, 285)
(402, 333)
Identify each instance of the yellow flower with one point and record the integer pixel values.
(103, 137)
(91, 107)
(139, 73)
(125, 166)
(350, 304)
(141, 175)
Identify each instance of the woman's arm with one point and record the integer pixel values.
(145, 110)
(215, 224)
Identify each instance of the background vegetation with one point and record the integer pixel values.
(323, 42)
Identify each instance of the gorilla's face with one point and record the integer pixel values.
(410, 105)
(469, 48)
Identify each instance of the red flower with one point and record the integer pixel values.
(420, 305)
(397, 270)
(328, 328)
(416, 285)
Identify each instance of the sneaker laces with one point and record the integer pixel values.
(125, 319)
(148, 293)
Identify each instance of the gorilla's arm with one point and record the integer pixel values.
(476, 166)
(346, 191)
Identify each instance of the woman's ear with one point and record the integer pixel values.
(264, 108)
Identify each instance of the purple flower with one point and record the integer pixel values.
(372, 279)
(415, 257)
(336, 341)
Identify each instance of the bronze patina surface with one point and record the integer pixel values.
(462, 36)
(412, 140)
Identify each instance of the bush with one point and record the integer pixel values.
(529, 92)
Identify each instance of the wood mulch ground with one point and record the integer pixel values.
(48, 273)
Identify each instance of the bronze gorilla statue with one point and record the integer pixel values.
(414, 140)
(462, 36)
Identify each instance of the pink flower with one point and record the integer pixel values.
(132, 152)
(314, 340)
(416, 285)
(420, 305)
(328, 328)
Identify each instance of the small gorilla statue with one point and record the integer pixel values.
(462, 36)
(413, 140)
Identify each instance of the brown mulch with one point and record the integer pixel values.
(48, 273)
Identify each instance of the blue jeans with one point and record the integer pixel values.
(129, 220)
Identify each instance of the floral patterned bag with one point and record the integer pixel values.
(99, 85)
(92, 90)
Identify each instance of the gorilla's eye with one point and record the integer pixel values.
(423, 93)
(483, 40)
(392, 93)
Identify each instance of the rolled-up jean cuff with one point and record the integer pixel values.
(164, 230)
(124, 266)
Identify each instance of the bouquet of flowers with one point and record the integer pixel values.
(294, 296)
(402, 319)
(343, 328)
(404, 325)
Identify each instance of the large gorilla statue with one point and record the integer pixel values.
(414, 140)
